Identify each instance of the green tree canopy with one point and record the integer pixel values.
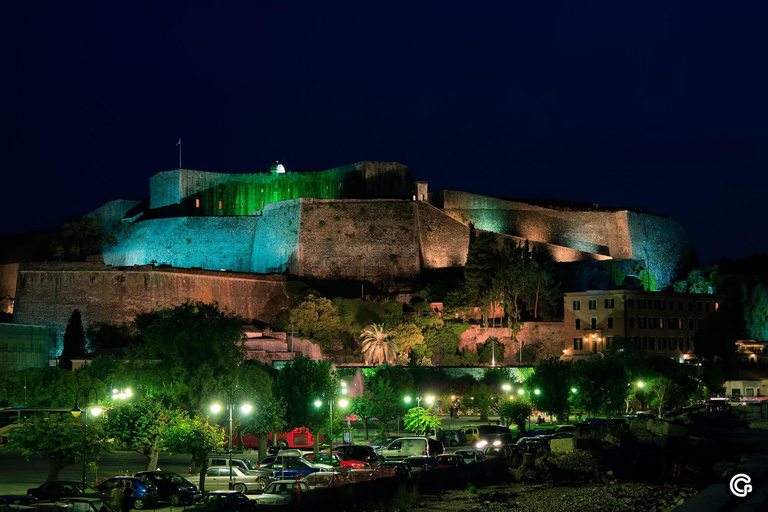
(74, 341)
(552, 378)
(192, 349)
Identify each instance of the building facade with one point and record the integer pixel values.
(659, 323)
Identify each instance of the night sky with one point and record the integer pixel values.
(655, 106)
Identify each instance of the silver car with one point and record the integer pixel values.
(217, 479)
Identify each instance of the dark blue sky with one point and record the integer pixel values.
(660, 107)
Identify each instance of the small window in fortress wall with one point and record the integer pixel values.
(717, 306)
(221, 205)
(197, 203)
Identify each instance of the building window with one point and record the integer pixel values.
(643, 342)
(680, 323)
(641, 322)
(651, 323)
(671, 305)
(651, 343)
(690, 305)
(681, 343)
(699, 323)
(672, 344)
(690, 324)
(631, 322)
(578, 344)
(197, 203)
(578, 324)
(706, 306)
(609, 341)
(630, 303)
(576, 305)
(750, 391)
(608, 303)
(221, 205)
(661, 323)
(662, 343)
(610, 322)
(717, 306)
(593, 322)
(690, 344)
(680, 305)
(650, 304)
(640, 303)
(698, 307)
(593, 304)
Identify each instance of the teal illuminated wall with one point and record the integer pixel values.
(25, 346)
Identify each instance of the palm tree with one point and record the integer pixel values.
(377, 346)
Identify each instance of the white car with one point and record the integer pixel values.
(217, 479)
(280, 493)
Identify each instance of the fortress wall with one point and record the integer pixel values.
(662, 243)
(358, 239)
(260, 244)
(444, 241)
(112, 212)
(7, 286)
(47, 293)
(601, 232)
(171, 187)
(547, 337)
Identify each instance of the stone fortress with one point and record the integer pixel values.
(367, 222)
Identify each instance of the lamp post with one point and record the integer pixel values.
(245, 408)
(87, 393)
(342, 403)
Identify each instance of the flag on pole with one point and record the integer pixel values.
(179, 143)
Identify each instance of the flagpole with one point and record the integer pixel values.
(179, 144)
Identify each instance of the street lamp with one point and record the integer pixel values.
(121, 394)
(95, 411)
(245, 408)
(342, 403)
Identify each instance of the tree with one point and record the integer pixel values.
(480, 267)
(102, 335)
(482, 398)
(318, 319)
(377, 345)
(408, 339)
(421, 419)
(195, 436)
(515, 411)
(552, 378)
(196, 346)
(78, 239)
(139, 426)
(300, 383)
(601, 385)
(268, 418)
(74, 341)
(58, 438)
(363, 406)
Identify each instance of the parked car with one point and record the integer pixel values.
(223, 501)
(450, 437)
(361, 452)
(325, 479)
(487, 433)
(20, 502)
(450, 460)
(223, 460)
(395, 469)
(291, 467)
(76, 504)
(536, 444)
(56, 489)
(421, 463)
(404, 447)
(4, 506)
(281, 493)
(471, 455)
(217, 479)
(501, 450)
(145, 494)
(171, 488)
(338, 460)
(566, 428)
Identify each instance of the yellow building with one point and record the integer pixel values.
(659, 323)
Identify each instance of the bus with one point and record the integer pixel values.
(300, 438)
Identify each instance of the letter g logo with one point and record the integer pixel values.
(740, 485)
